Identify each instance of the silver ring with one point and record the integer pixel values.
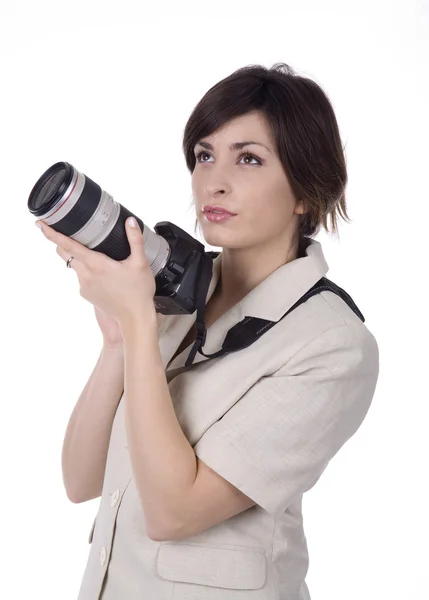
(69, 261)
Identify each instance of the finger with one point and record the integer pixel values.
(135, 239)
(74, 264)
(71, 247)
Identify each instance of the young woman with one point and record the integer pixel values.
(202, 469)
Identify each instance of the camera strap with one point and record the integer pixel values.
(250, 329)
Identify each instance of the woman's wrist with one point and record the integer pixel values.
(113, 346)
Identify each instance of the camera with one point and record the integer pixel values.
(74, 205)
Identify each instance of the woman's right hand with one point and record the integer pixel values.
(112, 334)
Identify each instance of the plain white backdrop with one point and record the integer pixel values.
(109, 86)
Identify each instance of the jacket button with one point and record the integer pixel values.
(103, 556)
(115, 497)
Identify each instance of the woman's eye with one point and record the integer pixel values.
(198, 156)
(246, 155)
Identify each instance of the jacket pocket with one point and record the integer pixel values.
(236, 568)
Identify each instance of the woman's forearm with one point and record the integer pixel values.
(86, 440)
(163, 462)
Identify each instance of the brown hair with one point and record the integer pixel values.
(304, 127)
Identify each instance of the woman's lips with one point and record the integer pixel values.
(215, 213)
(214, 217)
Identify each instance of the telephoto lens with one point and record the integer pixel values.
(73, 204)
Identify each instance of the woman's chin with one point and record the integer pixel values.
(216, 241)
(216, 238)
(215, 234)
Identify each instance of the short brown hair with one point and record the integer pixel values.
(304, 127)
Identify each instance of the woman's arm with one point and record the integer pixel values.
(163, 462)
(87, 436)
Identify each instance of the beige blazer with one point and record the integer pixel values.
(268, 419)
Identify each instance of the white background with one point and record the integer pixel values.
(109, 86)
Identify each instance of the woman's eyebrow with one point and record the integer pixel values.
(234, 146)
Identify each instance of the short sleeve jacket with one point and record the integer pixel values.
(268, 418)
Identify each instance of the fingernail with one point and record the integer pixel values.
(39, 224)
(132, 222)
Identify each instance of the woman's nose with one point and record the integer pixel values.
(217, 187)
(215, 190)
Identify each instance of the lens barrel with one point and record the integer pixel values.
(76, 206)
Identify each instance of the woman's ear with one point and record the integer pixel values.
(300, 208)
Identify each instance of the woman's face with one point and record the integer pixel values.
(255, 188)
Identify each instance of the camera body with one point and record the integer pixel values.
(177, 284)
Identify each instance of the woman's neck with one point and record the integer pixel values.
(242, 270)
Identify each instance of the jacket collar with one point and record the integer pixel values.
(273, 297)
(269, 300)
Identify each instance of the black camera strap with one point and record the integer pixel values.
(250, 329)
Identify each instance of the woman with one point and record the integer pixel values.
(202, 469)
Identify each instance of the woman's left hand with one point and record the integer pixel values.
(119, 288)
